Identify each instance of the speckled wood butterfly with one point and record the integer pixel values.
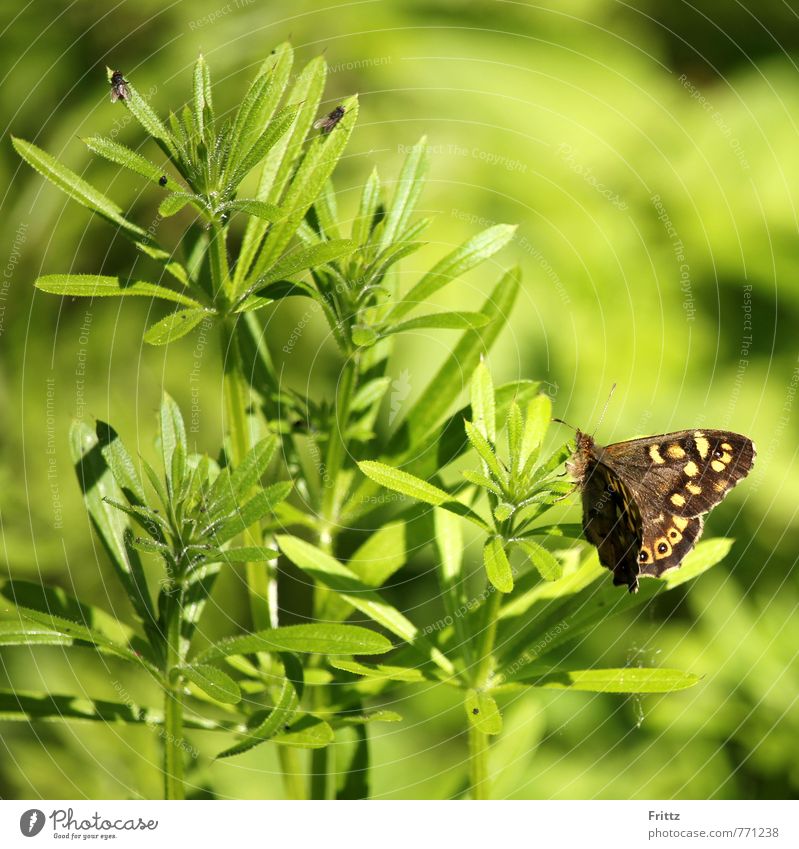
(644, 500)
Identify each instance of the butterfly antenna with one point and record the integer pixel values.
(560, 421)
(604, 409)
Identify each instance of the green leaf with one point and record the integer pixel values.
(146, 116)
(74, 186)
(329, 572)
(484, 407)
(246, 554)
(320, 638)
(577, 603)
(503, 511)
(370, 198)
(539, 416)
(482, 712)
(54, 601)
(308, 732)
(267, 724)
(497, 565)
(441, 320)
(374, 562)
(256, 109)
(484, 481)
(312, 173)
(470, 254)
(364, 337)
(486, 452)
(406, 193)
(548, 566)
(172, 432)
(445, 387)
(370, 393)
(626, 680)
(275, 130)
(253, 511)
(383, 553)
(174, 202)
(410, 485)
(380, 671)
(247, 474)
(175, 325)
(89, 452)
(259, 208)
(279, 162)
(98, 286)
(127, 158)
(26, 706)
(303, 258)
(215, 683)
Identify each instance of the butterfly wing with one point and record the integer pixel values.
(611, 522)
(667, 538)
(685, 473)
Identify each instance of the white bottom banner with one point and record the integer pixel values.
(394, 824)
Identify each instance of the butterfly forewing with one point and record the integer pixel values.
(687, 472)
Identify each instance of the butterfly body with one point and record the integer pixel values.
(644, 500)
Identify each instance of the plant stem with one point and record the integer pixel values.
(478, 740)
(173, 703)
(290, 766)
(478, 763)
(236, 402)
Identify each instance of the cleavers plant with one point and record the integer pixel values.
(319, 501)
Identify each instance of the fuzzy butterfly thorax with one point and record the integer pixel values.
(644, 500)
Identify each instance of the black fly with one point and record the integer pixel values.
(119, 87)
(327, 123)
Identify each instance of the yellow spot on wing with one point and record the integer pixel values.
(691, 469)
(675, 451)
(680, 522)
(717, 466)
(693, 488)
(726, 446)
(654, 453)
(720, 486)
(678, 500)
(702, 445)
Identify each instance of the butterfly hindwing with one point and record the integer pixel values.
(667, 538)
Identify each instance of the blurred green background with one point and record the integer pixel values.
(647, 151)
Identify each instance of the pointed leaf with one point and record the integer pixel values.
(497, 565)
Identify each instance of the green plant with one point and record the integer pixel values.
(298, 685)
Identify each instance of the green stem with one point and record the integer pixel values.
(478, 741)
(220, 270)
(237, 396)
(478, 763)
(337, 443)
(173, 704)
(290, 766)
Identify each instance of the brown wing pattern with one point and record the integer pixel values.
(689, 472)
(612, 524)
(644, 500)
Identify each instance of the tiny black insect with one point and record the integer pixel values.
(119, 87)
(162, 180)
(327, 123)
